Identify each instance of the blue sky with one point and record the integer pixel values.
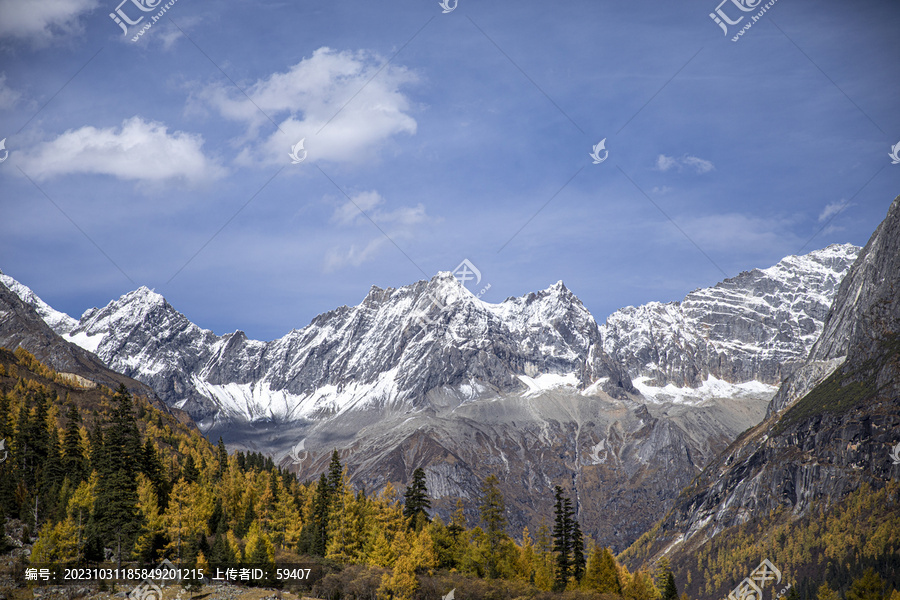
(463, 135)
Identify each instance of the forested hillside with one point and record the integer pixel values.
(100, 475)
(97, 475)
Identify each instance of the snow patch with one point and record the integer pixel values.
(711, 388)
(86, 341)
(548, 381)
(58, 321)
(595, 387)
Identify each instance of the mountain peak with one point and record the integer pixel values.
(58, 321)
(145, 294)
(759, 325)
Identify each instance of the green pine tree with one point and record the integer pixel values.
(52, 477)
(115, 506)
(578, 561)
(221, 458)
(493, 515)
(415, 499)
(73, 450)
(335, 474)
(189, 472)
(562, 539)
(868, 587)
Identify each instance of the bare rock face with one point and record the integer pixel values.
(757, 326)
(530, 389)
(623, 462)
(395, 347)
(22, 325)
(862, 307)
(837, 435)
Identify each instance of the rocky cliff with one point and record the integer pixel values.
(758, 326)
(833, 439)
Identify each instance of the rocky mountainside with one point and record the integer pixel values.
(835, 438)
(428, 375)
(395, 348)
(551, 423)
(758, 326)
(844, 322)
(22, 325)
(400, 345)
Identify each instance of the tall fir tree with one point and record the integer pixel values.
(493, 515)
(562, 539)
(189, 472)
(73, 450)
(151, 465)
(314, 537)
(415, 499)
(335, 474)
(578, 561)
(52, 477)
(221, 458)
(115, 507)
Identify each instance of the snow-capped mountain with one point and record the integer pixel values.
(531, 389)
(757, 326)
(812, 450)
(58, 321)
(399, 346)
(395, 348)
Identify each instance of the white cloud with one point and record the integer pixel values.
(398, 224)
(138, 150)
(359, 107)
(39, 21)
(699, 164)
(165, 34)
(8, 96)
(831, 209)
(665, 163)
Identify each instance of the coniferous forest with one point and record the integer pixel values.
(101, 476)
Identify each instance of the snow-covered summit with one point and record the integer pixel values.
(58, 321)
(401, 346)
(755, 326)
(393, 349)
